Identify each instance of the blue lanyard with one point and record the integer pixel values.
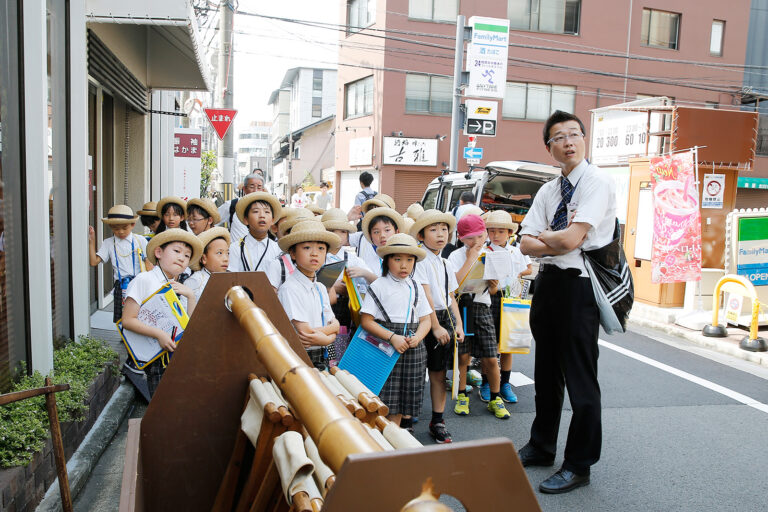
(322, 305)
(117, 261)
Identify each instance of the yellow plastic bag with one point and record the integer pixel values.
(515, 331)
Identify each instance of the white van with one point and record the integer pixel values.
(509, 186)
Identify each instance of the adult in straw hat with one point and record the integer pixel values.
(214, 258)
(430, 217)
(202, 215)
(172, 211)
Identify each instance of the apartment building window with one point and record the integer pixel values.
(660, 29)
(359, 96)
(556, 16)
(428, 94)
(317, 106)
(716, 38)
(433, 10)
(536, 101)
(360, 14)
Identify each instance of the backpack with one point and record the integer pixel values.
(232, 208)
(368, 196)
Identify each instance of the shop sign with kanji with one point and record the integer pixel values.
(409, 151)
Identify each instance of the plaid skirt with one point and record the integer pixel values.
(496, 311)
(403, 392)
(440, 357)
(484, 343)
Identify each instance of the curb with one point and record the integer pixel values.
(717, 344)
(87, 454)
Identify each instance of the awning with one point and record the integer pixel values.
(157, 41)
(756, 183)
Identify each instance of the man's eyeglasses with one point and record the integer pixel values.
(560, 139)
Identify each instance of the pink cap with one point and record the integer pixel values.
(470, 225)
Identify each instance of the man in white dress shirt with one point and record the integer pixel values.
(254, 182)
(569, 214)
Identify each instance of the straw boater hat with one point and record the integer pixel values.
(402, 244)
(208, 206)
(430, 217)
(119, 214)
(378, 201)
(287, 211)
(381, 212)
(175, 235)
(473, 210)
(335, 218)
(245, 203)
(408, 224)
(316, 210)
(301, 214)
(310, 231)
(414, 211)
(208, 236)
(149, 209)
(499, 219)
(170, 199)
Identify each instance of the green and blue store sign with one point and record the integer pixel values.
(752, 256)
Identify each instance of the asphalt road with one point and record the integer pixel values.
(677, 434)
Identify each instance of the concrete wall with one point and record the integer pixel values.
(316, 153)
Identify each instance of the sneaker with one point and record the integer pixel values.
(474, 378)
(449, 386)
(485, 392)
(439, 433)
(497, 408)
(462, 405)
(507, 394)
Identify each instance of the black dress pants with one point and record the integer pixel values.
(565, 324)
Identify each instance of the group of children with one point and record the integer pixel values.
(403, 265)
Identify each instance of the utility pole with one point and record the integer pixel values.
(224, 97)
(456, 118)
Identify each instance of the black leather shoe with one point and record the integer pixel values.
(532, 456)
(563, 481)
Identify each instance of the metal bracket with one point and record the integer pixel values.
(167, 113)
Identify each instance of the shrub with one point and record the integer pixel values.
(24, 424)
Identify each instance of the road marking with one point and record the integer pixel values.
(744, 399)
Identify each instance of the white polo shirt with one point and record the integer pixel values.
(432, 271)
(520, 261)
(353, 260)
(256, 253)
(457, 259)
(237, 230)
(279, 268)
(366, 251)
(593, 202)
(396, 297)
(198, 281)
(305, 300)
(127, 251)
(147, 283)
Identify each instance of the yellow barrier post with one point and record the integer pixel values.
(740, 285)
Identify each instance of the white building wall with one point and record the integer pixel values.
(329, 92)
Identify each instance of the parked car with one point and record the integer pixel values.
(508, 185)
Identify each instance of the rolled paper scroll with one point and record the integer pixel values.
(250, 421)
(293, 465)
(398, 437)
(364, 395)
(323, 474)
(379, 438)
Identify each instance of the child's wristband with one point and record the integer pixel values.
(389, 340)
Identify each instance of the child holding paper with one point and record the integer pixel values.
(500, 229)
(484, 344)
(438, 278)
(172, 251)
(395, 310)
(304, 299)
(215, 258)
(125, 250)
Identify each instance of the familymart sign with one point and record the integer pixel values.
(487, 57)
(752, 254)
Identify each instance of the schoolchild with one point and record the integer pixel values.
(394, 309)
(378, 225)
(357, 240)
(171, 251)
(500, 229)
(280, 267)
(484, 344)
(414, 211)
(215, 258)
(172, 211)
(202, 215)
(252, 252)
(335, 221)
(149, 218)
(438, 278)
(125, 250)
(305, 299)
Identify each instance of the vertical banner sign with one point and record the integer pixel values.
(714, 188)
(487, 57)
(676, 250)
(186, 162)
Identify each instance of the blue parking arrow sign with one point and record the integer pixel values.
(473, 153)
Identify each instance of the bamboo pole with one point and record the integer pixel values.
(335, 431)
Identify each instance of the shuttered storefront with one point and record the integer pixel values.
(410, 187)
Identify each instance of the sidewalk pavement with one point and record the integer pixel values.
(664, 319)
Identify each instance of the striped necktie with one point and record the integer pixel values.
(560, 221)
